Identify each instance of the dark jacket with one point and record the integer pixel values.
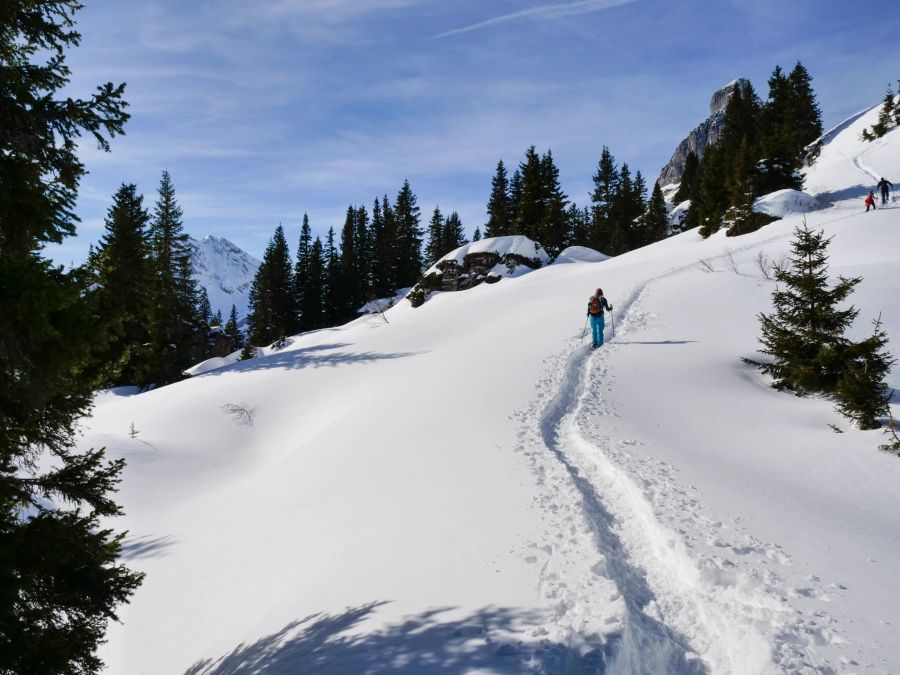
(604, 304)
(883, 184)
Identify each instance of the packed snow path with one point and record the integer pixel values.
(629, 592)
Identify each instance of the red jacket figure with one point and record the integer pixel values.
(870, 201)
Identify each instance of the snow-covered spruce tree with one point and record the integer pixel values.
(861, 391)
(606, 184)
(122, 263)
(60, 579)
(804, 336)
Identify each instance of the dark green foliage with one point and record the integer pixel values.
(500, 208)
(383, 249)
(888, 117)
(606, 185)
(59, 578)
(530, 204)
(436, 246)
(122, 268)
(712, 199)
(232, 329)
(476, 236)
(217, 318)
(804, 335)
(417, 296)
(515, 198)
(273, 311)
(172, 311)
(313, 309)
(861, 392)
(689, 179)
(408, 237)
(553, 230)
(656, 218)
(332, 279)
(454, 234)
(204, 310)
(301, 269)
(750, 222)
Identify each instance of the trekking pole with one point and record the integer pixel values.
(612, 321)
(584, 331)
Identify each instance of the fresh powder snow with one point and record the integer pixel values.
(468, 488)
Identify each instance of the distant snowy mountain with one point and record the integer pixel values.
(226, 272)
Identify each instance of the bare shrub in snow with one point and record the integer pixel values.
(241, 413)
(764, 264)
(705, 265)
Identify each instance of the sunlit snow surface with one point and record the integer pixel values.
(468, 488)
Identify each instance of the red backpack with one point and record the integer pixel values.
(595, 308)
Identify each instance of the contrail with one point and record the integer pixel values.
(541, 12)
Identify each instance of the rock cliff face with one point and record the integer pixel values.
(704, 135)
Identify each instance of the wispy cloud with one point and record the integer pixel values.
(540, 13)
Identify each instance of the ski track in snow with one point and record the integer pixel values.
(641, 579)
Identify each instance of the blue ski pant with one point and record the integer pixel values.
(597, 325)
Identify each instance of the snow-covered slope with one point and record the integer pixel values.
(469, 488)
(225, 271)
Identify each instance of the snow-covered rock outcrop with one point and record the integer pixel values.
(785, 202)
(580, 254)
(706, 134)
(487, 260)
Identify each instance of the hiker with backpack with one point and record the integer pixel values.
(883, 186)
(597, 305)
(870, 201)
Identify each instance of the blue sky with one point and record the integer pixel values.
(264, 110)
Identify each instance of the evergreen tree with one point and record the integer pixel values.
(172, 307)
(60, 579)
(409, 237)
(579, 225)
(217, 319)
(454, 234)
(272, 312)
(204, 309)
(712, 199)
(233, 329)
(301, 269)
(804, 335)
(436, 246)
(122, 270)
(530, 214)
(627, 207)
(383, 250)
(499, 208)
(363, 244)
(656, 218)
(639, 236)
(313, 309)
(332, 289)
(885, 116)
(689, 179)
(806, 114)
(606, 185)
(477, 234)
(553, 231)
(861, 391)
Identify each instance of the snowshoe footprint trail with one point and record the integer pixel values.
(627, 591)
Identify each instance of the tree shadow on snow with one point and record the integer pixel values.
(316, 356)
(134, 548)
(426, 644)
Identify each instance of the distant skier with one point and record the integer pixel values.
(870, 201)
(883, 186)
(596, 307)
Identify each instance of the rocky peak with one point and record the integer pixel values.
(707, 133)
